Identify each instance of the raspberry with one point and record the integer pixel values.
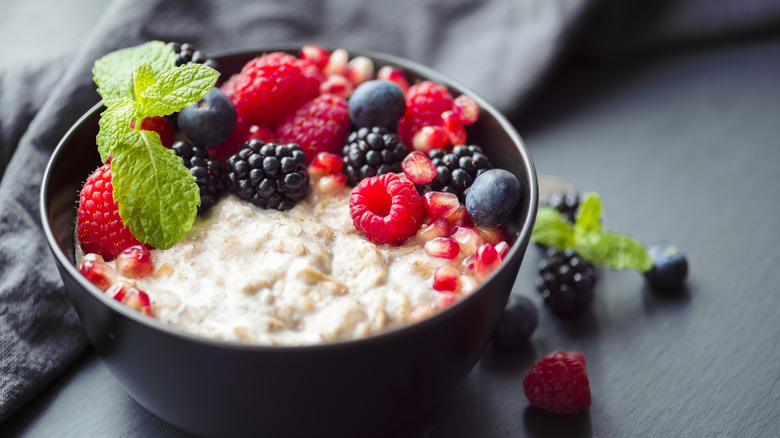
(270, 88)
(320, 125)
(371, 152)
(425, 102)
(160, 125)
(98, 225)
(386, 208)
(558, 382)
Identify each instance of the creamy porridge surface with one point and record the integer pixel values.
(304, 276)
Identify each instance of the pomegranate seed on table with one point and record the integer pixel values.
(97, 271)
(445, 279)
(135, 262)
(395, 75)
(466, 109)
(439, 204)
(467, 238)
(359, 70)
(438, 227)
(429, 138)
(487, 261)
(456, 132)
(418, 168)
(443, 247)
(338, 85)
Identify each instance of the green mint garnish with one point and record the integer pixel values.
(588, 237)
(156, 193)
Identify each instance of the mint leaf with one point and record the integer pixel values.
(143, 79)
(613, 250)
(157, 194)
(114, 73)
(115, 124)
(178, 88)
(589, 213)
(552, 229)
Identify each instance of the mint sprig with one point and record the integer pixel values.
(156, 193)
(588, 237)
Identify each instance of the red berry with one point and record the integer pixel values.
(393, 74)
(97, 271)
(466, 109)
(468, 239)
(98, 225)
(438, 227)
(425, 102)
(320, 125)
(160, 125)
(418, 168)
(259, 132)
(439, 204)
(312, 74)
(445, 279)
(229, 87)
(558, 382)
(487, 261)
(135, 262)
(325, 163)
(338, 85)
(131, 297)
(270, 88)
(233, 143)
(359, 70)
(456, 133)
(315, 54)
(429, 138)
(386, 208)
(443, 247)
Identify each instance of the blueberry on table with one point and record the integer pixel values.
(670, 267)
(210, 120)
(517, 323)
(377, 103)
(492, 196)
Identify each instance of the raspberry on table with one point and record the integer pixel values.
(268, 175)
(208, 172)
(371, 152)
(559, 383)
(425, 103)
(98, 225)
(386, 208)
(319, 125)
(272, 87)
(566, 281)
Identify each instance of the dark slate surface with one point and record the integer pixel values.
(682, 147)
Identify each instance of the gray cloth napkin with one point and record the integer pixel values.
(502, 49)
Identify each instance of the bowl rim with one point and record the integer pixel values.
(406, 330)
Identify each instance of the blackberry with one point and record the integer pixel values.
(456, 170)
(187, 54)
(566, 281)
(371, 152)
(268, 175)
(565, 202)
(517, 323)
(208, 173)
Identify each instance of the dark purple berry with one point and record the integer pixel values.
(670, 267)
(210, 120)
(517, 323)
(492, 197)
(377, 103)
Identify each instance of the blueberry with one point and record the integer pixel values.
(377, 103)
(492, 197)
(210, 120)
(669, 267)
(517, 323)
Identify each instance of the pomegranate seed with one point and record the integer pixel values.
(135, 262)
(359, 70)
(330, 183)
(445, 279)
(487, 261)
(456, 133)
(439, 204)
(325, 163)
(395, 75)
(337, 63)
(98, 272)
(493, 235)
(429, 138)
(438, 227)
(466, 109)
(315, 54)
(131, 297)
(468, 265)
(418, 168)
(260, 132)
(338, 85)
(502, 248)
(446, 299)
(443, 247)
(460, 217)
(468, 239)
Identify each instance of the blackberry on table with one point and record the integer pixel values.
(268, 175)
(371, 152)
(208, 173)
(186, 53)
(565, 202)
(456, 170)
(566, 281)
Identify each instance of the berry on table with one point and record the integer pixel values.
(210, 120)
(319, 125)
(99, 227)
(208, 172)
(517, 323)
(372, 152)
(565, 202)
(559, 383)
(566, 281)
(492, 197)
(425, 102)
(670, 267)
(160, 125)
(268, 175)
(457, 170)
(377, 103)
(386, 208)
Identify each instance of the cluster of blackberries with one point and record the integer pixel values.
(371, 152)
(186, 53)
(456, 170)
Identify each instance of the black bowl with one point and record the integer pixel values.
(362, 387)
